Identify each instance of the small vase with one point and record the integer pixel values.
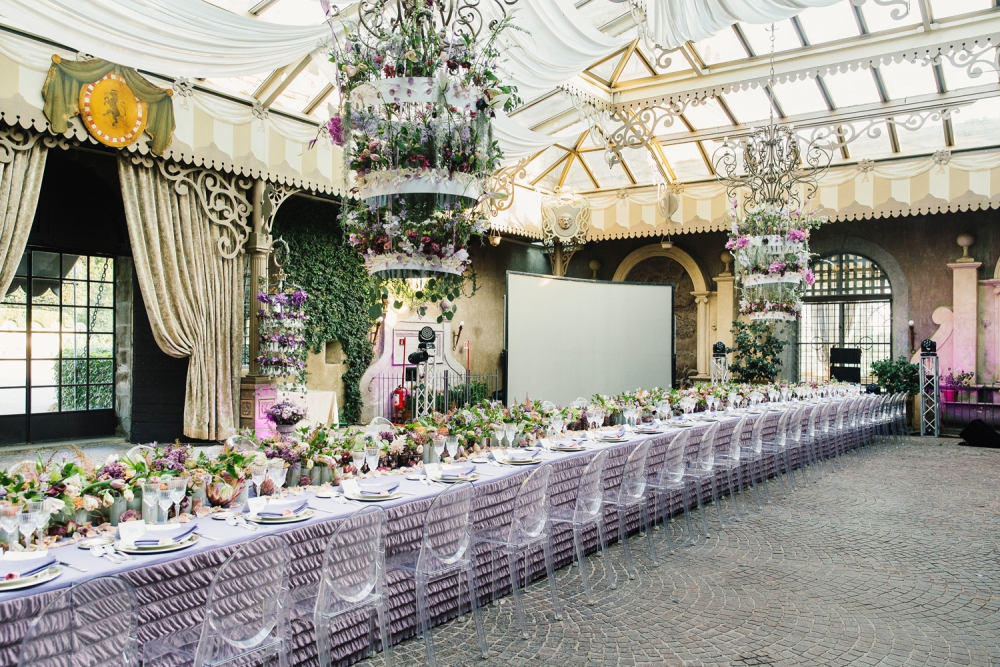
(949, 395)
(81, 516)
(320, 474)
(117, 508)
(293, 475)
(285, 430)
(198, 497)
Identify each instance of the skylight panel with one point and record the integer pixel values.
(958, 77)
(686, 161)
(868, 147)
(722, 47)
(880, 17)
(635, 69)
(235, 6)
(977, 125)
(607, 177)
(543, 110)
(828, 24)
(606, 69)
(678, 63)
(242, 85)
(294, 12)
(303, 89)
(641, 163)
(908, 79)
(759, 36)
(944, 8)
(852, 88)
(537, 166)
(707, 115)
(749, 106)
(578, 178)
(800, 97)
(927, 139)
(599, 13)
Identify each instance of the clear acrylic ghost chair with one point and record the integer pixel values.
(245, 613)
(445, 551)
(669, 482)
(588, 511)
(528, 530)
(702, 468)
(825, 432)
(753, 454)
(778, 448)
(793, 439)
(732, 462)
(629, 494)
(810, 440)
(352, 581)
(92, 624)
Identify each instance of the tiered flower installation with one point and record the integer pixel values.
(419, 88)
(771, 246)
(281, 319)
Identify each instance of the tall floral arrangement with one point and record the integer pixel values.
(771, 245)
(420, 87)
(281, 318)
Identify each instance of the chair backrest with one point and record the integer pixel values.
(531, 506)
(813, 423)
(244, 599)
(354, 561)
(795, 423)
(735, 439)
(447, 529)
(841, 413)
(757, 433)
(88, 625)
(706, 448)
(378, 424)
(781, 433)
(634, 475)
(590, 490)
(830, 410)
(672, 470)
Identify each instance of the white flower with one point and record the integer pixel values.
(128, 495)
(113, 458)
(260, 459)
(56, 505)
(90, 503)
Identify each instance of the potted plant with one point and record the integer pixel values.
(285, 416)
(899, 376)
(952, 382)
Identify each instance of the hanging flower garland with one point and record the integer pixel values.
(420, 86)
(281, 322)
(771, 246)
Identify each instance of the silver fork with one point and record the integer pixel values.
(111, 551)
(98, 552)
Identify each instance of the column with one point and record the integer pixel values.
(991, 355)
(704, 334)
(725, 284)
(257, 392)
(965, 305)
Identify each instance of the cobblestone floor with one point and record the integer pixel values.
(892, 561)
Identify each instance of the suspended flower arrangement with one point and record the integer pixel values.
(281, 323)
(419, 84)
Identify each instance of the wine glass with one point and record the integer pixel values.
(26, 521)
(178, 489)
(372, 456)
(9, 520)
(44, 514)
(510, 431)
(358, 458)
(451, 446)
(150, 508)
(439, 441)
(257, 475)
(498, 436)
(165, 499)
(277, 471)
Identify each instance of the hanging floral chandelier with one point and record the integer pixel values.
(419, 84)
(769, 235)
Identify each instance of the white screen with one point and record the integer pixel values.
(568, 338)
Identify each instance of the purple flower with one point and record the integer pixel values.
(796, 235)
(112, 471)
(336, 127)
(776, 267)
(128, 515)
(809, 277)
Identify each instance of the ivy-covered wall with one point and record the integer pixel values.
(340, 289)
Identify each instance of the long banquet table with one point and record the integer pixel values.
(171, 588)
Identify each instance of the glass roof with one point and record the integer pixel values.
(840, 34)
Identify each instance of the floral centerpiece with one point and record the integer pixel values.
(281, 319)
(419, 90)
(285, 415)
(770, 244)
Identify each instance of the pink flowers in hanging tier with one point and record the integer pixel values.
(796, 235)
(776, 267)
(738, 243)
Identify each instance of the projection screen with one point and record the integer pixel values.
(568, 337)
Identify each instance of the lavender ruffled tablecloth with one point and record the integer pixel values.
(171, 588)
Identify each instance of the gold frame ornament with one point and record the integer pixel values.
(111, 112)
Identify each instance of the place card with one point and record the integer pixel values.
(255, 505)
(130, 531)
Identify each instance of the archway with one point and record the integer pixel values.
(656, 264)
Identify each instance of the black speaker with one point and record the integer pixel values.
(845, 355)
(979, 434)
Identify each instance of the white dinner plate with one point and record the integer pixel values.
(291, 518)
(48, 574)
(190, 541)
(611, 439)
(372, 498)
(567, 448)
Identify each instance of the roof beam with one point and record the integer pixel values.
(907, 39)
(278, 80)
(319, 99)
(262, 6)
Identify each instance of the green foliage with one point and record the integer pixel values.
(756, 353)
(343, 299)
(896, 376)
(398, 292)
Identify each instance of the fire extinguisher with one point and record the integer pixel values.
(399, 397)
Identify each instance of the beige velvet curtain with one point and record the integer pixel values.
(20, 183)
(194, 296)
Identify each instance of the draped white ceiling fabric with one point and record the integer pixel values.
(674, 22)
(516, 141)
(189, 38)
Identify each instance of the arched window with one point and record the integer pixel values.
(849, 305)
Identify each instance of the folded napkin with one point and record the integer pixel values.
(457, 470)
(618, 433)
(15, 568)
(152, 538)
(278, 508)
(377, 487)
(525, 454)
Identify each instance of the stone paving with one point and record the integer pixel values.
(891, 561)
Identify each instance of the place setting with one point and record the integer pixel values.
(24, 569)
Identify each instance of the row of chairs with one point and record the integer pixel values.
(250, 608)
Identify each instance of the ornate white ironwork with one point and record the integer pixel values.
(379, 18)
(15, 139)
(500, 188)
(900, 8)
(274, 196)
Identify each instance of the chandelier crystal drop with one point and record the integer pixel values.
(420, 86)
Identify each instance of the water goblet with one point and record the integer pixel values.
(358, 459)
(150, 506)
(451, 446)
(498, 436)
(257, 475)
(9, 520)
(372, 456)
(439, 441)
(164, 499)
(178, 489)
(26, 521)
(44, 513)
(510, 430)
(277, 471)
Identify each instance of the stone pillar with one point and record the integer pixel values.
(704, 334)
(991, 322)
(257, 392)
(965, 305)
